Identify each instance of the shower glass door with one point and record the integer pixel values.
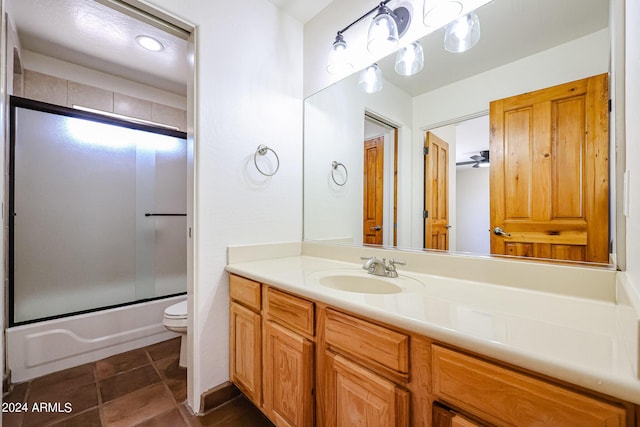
(98, 212)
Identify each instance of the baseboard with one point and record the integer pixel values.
(217, 396)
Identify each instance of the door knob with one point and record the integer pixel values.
(500, 232)
(376, 228)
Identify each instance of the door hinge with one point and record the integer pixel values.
(425, 150)
(425, 214)
(610, 105)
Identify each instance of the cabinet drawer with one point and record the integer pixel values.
(505, 397)
(245, 291)
(296, 313)
(368, 342)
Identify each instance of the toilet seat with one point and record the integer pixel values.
(176, 311)
(175, 317)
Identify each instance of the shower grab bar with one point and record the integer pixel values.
(164, 214)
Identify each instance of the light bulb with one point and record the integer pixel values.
(462, 34)
(370, 79)
(338, 61)
(383, 32)
(409, 59)
(149, 43)
(437, 13)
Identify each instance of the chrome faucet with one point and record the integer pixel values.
(379, 267)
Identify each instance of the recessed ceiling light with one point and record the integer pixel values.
(149, 43)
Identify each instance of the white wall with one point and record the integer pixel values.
(472, 203)
(472, 188)
(334, 130)
(248, 92)
(76, 73)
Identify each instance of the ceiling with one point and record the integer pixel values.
(97, 37)
(302, 10)
(90, 34)
(87, 33)
(510, 30)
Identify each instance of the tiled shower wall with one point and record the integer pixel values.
(54, 90)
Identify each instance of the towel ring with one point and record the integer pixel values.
(334, 167)
(262, 150)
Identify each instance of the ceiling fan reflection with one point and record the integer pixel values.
(478, 161)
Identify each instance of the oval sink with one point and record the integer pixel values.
(364, 283)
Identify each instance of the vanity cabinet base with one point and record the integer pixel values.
(319, 365)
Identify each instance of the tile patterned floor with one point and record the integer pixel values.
(142, 388)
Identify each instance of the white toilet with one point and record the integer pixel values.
(175, 319)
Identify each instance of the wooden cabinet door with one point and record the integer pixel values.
(550, 172)
(245, 351)
(288, 377)
(358, 397)
(436, 193)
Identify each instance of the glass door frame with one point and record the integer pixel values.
(18, 102)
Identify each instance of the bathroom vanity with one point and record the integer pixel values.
(317, 341)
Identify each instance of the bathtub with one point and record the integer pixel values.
(40, 348)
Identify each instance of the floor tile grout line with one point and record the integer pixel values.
(167, 388)
(54, 422)
(25, 399)
(71, 415)
(120, 372)
(154, 416)
(128, 395)
(98, 393)
(186, 420)
(163, 379)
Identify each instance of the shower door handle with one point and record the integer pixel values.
(164, 214)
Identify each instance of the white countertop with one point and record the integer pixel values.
(566, 337)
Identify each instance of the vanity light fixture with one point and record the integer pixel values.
(462, 34)
(149, 43)
(370, 79)
(385, 31)
(409, 59)
(338, 62)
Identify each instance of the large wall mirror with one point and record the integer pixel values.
(367, 180)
